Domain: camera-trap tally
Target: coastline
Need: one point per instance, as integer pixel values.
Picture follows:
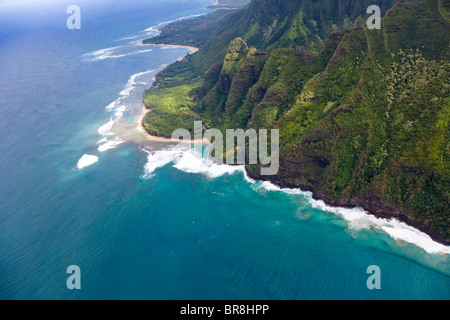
(374, 207)
(141, 129)
(144, 110)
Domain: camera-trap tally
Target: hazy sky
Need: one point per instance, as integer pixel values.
(32, 14)
(4, 3)
(21, 13)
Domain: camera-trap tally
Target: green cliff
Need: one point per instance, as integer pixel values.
(363, 114)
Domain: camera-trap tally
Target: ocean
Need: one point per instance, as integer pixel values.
(80, 185)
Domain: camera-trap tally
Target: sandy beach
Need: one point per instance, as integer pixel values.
(139, 124)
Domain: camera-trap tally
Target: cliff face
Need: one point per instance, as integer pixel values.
(372, 128)
(271, 24)
(363, 114)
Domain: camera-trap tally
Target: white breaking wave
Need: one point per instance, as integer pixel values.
(358, 219)
(132, 82)
(126, 91)
(111, 53)
(113, 56)
(102, 140)
(157, 160)
(102, 51)
(111, 144)
(113, 104)
(117, 51)
(190, 162)
(127, 38)
(118, 112)
(187, 161)
(86, 160)
(105, 130)
(118, 108)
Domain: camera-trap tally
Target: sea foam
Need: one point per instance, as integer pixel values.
(133, 82)
(358, 219)
(86, 160)
(191, 162)
(105, 130)
(157, 160)
(110, 144)
(187, 161)
(114, 52)
(109, 55)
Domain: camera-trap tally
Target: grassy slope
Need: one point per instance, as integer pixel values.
(170, 109)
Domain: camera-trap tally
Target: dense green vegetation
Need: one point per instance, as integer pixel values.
(363, 114)
(195, 32)
(170, 109)
(268, 25)
(190, 32)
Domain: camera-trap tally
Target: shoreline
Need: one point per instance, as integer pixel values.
(139, 124)
(140, 127)
(376, 208)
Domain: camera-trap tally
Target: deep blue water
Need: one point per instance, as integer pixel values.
(154, 227)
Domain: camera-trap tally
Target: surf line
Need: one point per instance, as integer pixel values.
(257, 146)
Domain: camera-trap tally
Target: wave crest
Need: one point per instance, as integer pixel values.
(188, 161)
(86, 160)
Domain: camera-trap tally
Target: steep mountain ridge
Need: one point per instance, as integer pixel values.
(271, 24)
(363, 114)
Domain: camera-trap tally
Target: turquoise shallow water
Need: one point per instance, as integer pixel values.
(161, 225)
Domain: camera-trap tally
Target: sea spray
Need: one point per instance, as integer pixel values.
(86, 160)
(190, 161)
